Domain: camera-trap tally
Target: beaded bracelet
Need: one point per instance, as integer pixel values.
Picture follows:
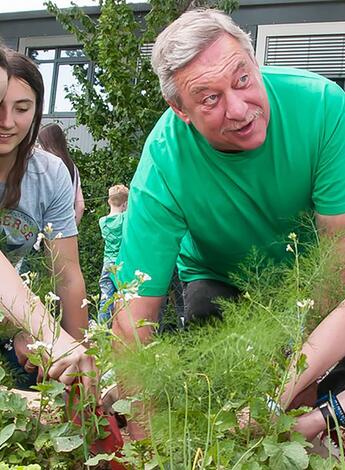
(338, 410)
(324, 408)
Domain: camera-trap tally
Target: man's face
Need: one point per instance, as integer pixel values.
(222, 94)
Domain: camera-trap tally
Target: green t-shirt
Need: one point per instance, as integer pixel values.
(209, 208)
(111, 229)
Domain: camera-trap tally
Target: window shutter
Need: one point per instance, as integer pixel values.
(323, 54)
(146, 50)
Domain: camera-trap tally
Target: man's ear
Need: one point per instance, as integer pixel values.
(179, 111)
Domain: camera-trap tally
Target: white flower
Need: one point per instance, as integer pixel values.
(58, 235)
(84, 303)
(51, 297)
(37, 345)
(37, 244)
(92, 325)
(305, 303)
(130, 296)
(26, 278)
(246, 295)
(87, 337)
(143, 92)
(289, 248)
(48, 228)
(35, 299)
(292, 236)
(142, 276)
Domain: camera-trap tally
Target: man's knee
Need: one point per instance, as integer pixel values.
(200, 296)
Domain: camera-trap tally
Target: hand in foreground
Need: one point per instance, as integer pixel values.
(20, 342)
(71, 363)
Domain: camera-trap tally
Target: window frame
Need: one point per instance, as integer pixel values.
(55, 42)
(293, 29)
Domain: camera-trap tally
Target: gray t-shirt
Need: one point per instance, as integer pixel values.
(46, 197)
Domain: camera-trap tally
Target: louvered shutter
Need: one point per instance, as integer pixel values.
(146, 50)
(320, 53)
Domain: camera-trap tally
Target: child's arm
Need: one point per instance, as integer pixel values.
(24, 309)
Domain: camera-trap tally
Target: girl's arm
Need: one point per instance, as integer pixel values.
(70, 287)
(24, 309)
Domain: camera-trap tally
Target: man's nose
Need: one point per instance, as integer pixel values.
(236, 107)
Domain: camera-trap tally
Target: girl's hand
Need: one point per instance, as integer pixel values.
(71, 363)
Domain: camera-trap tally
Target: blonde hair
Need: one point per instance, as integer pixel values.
(118, 195)
(191, 33)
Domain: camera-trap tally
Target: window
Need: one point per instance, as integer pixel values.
(57, 57)
(318, 47)
(57, 65)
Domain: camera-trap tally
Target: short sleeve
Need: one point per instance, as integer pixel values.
(60, 212)
(152, 230)
(329, 187)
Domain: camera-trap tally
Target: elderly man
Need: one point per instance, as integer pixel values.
(240, 153)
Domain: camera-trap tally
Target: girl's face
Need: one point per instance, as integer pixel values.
(17, 111)
(3, 83)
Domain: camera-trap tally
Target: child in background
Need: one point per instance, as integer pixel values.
(111, 229)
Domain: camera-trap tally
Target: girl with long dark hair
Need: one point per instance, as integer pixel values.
(36, 196)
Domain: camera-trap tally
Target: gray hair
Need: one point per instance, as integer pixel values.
(185, 38)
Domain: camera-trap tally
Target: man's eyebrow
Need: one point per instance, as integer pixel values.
(199, 89)
(241, 64)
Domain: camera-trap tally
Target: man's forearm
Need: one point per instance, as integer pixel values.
(324, 347)
(125, 323)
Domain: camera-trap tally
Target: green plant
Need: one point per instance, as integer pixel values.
(198, 383)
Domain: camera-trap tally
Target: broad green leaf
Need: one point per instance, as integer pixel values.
(123, 407)
(41, 440)
(319, 463)
(98, 458)
(6, 433)
(284, 423)
(2, 373)
(67, 444)
(251, 466)
(287, 456)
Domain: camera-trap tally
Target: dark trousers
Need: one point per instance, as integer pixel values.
(200, 299)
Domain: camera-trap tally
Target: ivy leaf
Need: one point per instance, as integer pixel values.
(6, 433)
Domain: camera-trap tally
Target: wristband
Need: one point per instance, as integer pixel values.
(324, 408)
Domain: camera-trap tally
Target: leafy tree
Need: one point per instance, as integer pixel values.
(122, 103)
